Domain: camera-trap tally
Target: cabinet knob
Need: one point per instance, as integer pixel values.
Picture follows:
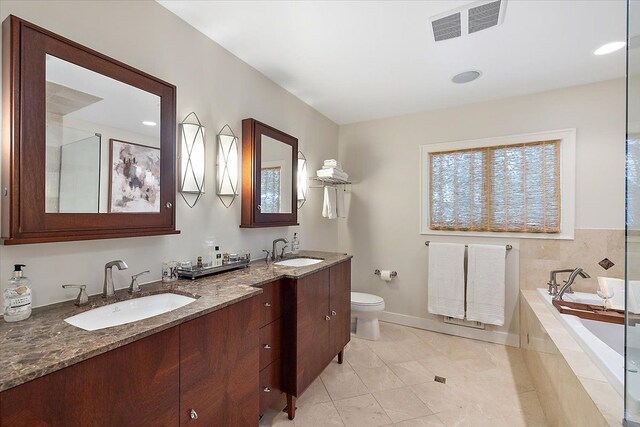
(169, 205)
(333, 313)
(267, 346)
(267, 304)
(259, 208)
(193, 414)
(327, 318)
(266, 390)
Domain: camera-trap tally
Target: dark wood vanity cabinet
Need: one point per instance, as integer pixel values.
(219, 361)
(317, 318)
(208, 365)
(134, 385)
(270, 344)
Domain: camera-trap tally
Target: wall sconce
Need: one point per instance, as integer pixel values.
(227, 165)
(302, 179)
(192, 159)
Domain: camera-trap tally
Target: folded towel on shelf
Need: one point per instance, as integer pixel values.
(486, 283)
(332, 163)
(445, 287)
(332, 173)
(329, 203)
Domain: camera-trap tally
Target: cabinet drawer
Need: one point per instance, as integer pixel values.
(270, 387)
(271, 306)
(270, 343)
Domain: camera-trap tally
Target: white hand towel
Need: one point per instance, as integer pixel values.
(341, 210)
(446, 279)
(486, 283)
(329, 204)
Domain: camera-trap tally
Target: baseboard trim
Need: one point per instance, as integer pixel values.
(497, 337)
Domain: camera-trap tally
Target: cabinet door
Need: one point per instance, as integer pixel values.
(312, 331)
(134, 385)
(219, 361)
(340, 306)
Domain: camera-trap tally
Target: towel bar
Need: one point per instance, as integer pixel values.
(509, 247)
(393, 273)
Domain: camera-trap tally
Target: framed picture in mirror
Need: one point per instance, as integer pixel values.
(134, 177)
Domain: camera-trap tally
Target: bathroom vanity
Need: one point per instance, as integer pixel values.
(221, 360)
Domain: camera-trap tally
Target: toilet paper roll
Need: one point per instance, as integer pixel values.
(385, 275)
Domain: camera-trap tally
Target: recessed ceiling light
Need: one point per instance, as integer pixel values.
(149, 123)
(466, 77)
(609, 48)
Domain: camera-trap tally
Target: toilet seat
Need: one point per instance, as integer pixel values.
(366, 302)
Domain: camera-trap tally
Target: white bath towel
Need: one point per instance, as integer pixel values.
(446, 279)
(486, 283)
(329, 204)
(332, 163)
(332, 173)
(341, 210)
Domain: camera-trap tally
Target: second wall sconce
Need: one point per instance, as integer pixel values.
(302, 179)
(227, 165)
(192, 158)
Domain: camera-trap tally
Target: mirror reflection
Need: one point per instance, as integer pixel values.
(102, 143)
(276, 176)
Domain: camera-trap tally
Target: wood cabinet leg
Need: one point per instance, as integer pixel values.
(341, 356)
(291, 406)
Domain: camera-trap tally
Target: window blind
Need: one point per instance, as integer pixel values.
(507, 188)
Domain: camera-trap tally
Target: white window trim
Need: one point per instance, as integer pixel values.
(567, 139)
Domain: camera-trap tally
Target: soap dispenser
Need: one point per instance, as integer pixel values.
(17, 296)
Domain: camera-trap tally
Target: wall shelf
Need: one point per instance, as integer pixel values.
(323, 182)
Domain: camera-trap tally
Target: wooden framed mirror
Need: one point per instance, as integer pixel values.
(269, 176)
(88, 146)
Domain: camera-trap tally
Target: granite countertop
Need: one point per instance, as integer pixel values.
(44, 343)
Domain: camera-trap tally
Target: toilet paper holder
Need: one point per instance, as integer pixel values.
(393, 273)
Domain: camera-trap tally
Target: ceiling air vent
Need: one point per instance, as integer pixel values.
(447, 27)
(468, 19)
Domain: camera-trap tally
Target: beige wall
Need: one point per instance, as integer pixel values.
(382, 156)
(221, 89)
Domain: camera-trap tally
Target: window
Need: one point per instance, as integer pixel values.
(500, 186)
(270, 190)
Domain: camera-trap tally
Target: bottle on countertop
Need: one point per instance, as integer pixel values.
(17, 296)
(217, 257)
(295, 244)
(211, 252)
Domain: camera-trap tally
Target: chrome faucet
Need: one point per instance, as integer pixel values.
(572, 277)
(553, 284)
(274, 247)
(108, 289)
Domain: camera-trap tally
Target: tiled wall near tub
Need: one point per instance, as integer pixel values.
(539, 256)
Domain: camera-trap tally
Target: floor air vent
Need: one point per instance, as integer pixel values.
(467, 19)
(463, 322)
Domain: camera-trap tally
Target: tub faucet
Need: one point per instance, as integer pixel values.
(275, 244)
(569, 282)
(108, 289)
(553, 284)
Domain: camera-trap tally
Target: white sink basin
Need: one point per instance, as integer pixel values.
(128, 311)
(298, 262)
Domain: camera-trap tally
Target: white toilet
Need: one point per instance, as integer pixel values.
(365, 309)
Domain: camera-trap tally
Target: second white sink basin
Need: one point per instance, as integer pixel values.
(298, 262)
(128, 311)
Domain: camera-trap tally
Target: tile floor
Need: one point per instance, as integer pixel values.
(390, 382)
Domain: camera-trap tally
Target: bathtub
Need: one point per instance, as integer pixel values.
(602, 341)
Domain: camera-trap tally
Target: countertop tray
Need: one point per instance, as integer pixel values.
(194, 273)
